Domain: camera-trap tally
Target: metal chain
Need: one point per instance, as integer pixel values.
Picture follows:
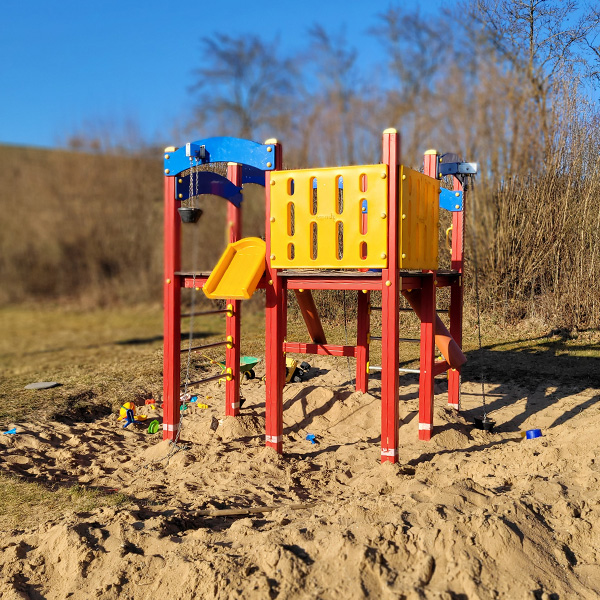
(190, 336)
(191, 191)
(477, 305)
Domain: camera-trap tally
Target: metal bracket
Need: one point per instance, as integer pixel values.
(451, 200)
(458, 168)
(195, 151)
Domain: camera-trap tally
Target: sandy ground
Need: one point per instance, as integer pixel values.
(468, 515)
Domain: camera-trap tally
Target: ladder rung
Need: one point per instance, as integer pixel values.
(222, 376)
(213, 345)
(204, 312)
(378, 337)
(440, 310)
(400, 370)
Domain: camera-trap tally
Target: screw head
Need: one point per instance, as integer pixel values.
(269, 164)
(167, 157)
(383, 215)
(167, 171)
(272, 219)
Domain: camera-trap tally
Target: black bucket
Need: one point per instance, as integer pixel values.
(484, 424)
(189, 215)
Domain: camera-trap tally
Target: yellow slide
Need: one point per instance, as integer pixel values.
(238, 271)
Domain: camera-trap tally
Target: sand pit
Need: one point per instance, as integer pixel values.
(467, 515)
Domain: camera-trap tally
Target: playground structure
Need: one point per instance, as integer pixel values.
(364, 228)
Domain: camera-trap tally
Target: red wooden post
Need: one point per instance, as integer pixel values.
(430, 163)
(362, 336)
(427, 357)
(390, 306)
(275, 333)
(172, 313)
(233, 322)
(456, 295)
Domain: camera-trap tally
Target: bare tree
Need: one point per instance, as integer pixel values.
(243, 86)
(539, 39)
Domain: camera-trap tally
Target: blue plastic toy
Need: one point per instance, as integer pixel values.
(311, 438)
(10, 431)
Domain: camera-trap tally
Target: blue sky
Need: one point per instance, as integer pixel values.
(72, 63)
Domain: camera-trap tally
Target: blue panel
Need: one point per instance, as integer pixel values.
(221, 149)
(209, 183)
(458, 168)
(252, 175)
(450, 200)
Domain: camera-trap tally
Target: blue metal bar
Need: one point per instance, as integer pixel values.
(209, 183)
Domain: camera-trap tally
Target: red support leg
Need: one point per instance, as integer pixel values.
(389, 308)
(362, 346)
(427, 357)
(275, 334)
(172, 313)
(456, 296)
(233, 323)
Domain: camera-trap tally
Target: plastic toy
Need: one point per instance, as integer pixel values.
(153, 427)
(295, 371)
(364, 228)
(311, 438)
(127, 413)
(12, 431)
(533, 433)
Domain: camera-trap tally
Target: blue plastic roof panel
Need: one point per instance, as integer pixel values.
(220, 149)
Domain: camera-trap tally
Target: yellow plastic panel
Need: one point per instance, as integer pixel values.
(419, 220)
(238, 271)
(320, 231)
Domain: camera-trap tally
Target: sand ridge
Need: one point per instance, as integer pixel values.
(467, 515)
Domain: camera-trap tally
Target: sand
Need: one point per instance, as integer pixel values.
(468, 515)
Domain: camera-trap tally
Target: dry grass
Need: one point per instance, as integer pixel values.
(24, 504)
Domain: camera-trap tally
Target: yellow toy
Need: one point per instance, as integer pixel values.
(127, 413)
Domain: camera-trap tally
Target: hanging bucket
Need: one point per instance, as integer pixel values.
(189, 214)
(485, 424)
